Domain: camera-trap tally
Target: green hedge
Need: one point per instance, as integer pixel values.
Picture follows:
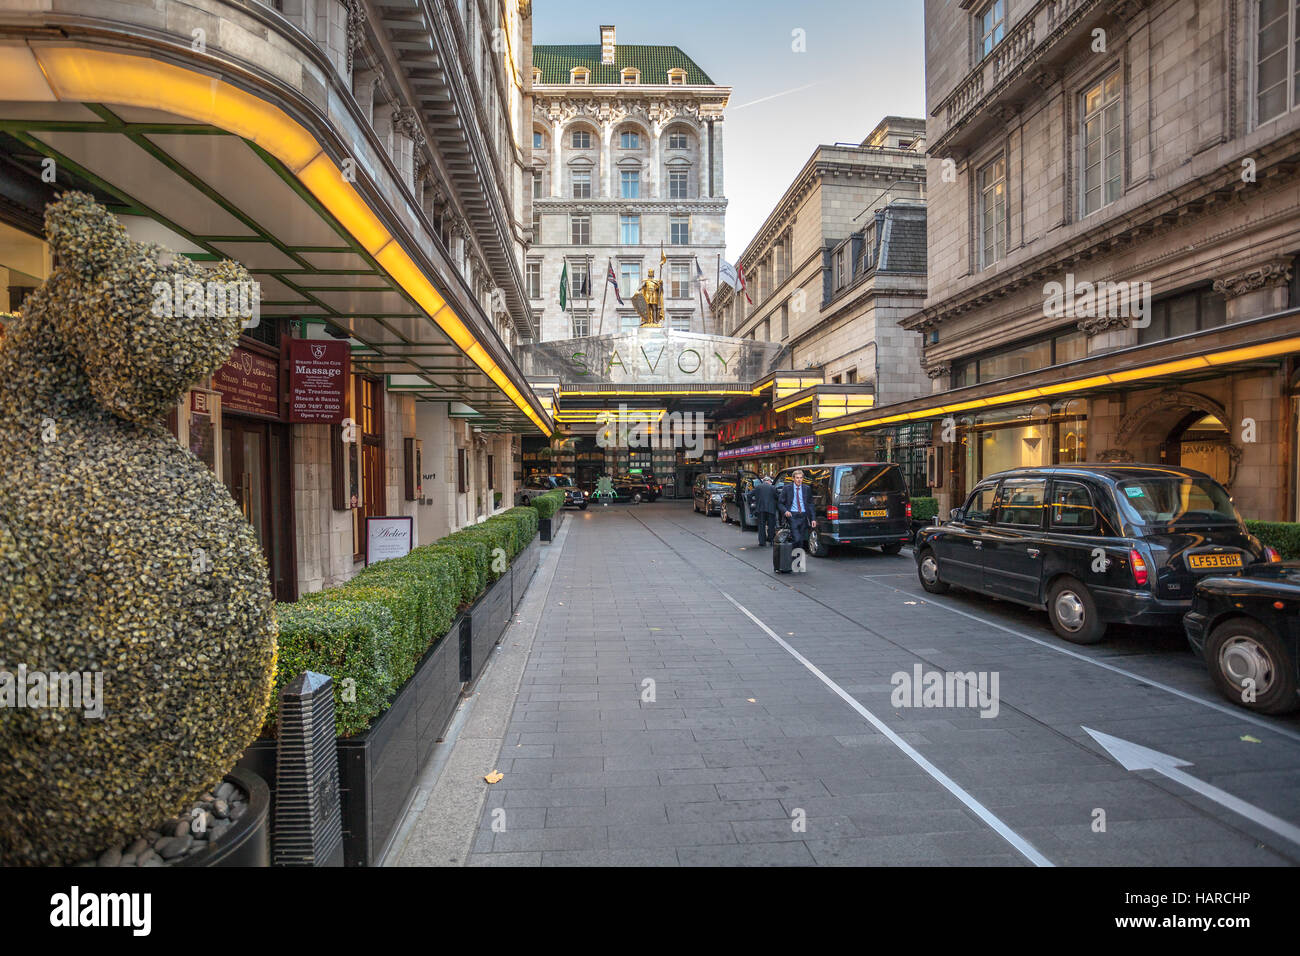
(376, 627)
(344, 639)
(923, 509)
(1283, 535)
(546, 505)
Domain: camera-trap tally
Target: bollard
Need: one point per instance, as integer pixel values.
(308, 819)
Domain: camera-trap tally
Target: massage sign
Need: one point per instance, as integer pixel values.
(318, 377)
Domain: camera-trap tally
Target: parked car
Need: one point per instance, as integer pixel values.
(708, 491)
(535, 485)
(855, 503)
(738, 502)
(635, 488)
(1091, 544)
(1247, 629)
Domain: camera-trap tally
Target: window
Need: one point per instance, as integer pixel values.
(979, 507)
(1016, 360)
(581, 324)
(629, 183)
(679, 230)
(1102, 141)
(630, 276)
(841, 270)
(1183, 314)
(582, 184)
(631, 76)
(679, 277)
(579, 75)
(537, 76)
(533, 279)
(993, 212)
(680, 322)
(629, 230)
(1071, 505)
(1021, 502)
(1276, 70)
(537, 183)
(629, 321)
(462, 471)
(580, 230)
(785, 321)
(992, 27)
(677, 140)
(581, 139)
(836, 380)
(677, 184)
(537, 224)
(629, 139)
(538, 141)
(851, 376)
(676, 77)
(579, 279)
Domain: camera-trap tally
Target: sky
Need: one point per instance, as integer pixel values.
(863, 60)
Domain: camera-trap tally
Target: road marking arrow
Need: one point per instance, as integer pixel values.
(1133, 756)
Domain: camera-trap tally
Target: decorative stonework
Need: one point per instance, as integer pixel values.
(407, 122)
(1276, 272)
(1134, 421)
(935, 371)
(1116, 456)
(1103, 323)
(356, 28)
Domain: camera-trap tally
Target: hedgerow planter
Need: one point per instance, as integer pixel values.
(379, 767)
(248, 841)
(548, 528)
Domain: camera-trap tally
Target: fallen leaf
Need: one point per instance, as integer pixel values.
(909, 602)
(1251, 740)
(494, 777)
(751, 700)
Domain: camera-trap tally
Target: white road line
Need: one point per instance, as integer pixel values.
(1023, 846)
(1212, 704)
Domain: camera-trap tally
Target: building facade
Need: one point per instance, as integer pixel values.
(831, 275)
(368, 164)
(627, 172)
(1112, 242)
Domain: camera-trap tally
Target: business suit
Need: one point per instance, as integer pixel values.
(765, 499)
(797, 500)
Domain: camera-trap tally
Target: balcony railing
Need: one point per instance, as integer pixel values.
(1011, 52)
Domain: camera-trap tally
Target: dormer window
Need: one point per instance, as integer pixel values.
(677, 77)
(579, 75)
(537, 76)
(631, 77)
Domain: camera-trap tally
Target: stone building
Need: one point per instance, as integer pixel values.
(1112, 242)
(833, 272)
(366, 161)
(627, 158)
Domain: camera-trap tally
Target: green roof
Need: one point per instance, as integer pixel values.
(654, 62)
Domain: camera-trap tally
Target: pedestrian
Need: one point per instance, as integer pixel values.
(765, 497)
(797, 505)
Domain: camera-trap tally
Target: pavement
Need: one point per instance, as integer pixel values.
(664, 699)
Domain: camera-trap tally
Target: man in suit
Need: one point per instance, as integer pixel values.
(765, 498)
(797, 506)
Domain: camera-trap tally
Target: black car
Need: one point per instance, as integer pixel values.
(738, 502)
(634, 488)
(708, 490)
(855, 503)
(535, 485)
(1247, 629)
(1090, 544)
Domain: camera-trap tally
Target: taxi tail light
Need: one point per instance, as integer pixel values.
(1139, 567)
(833, 513)
(1271, 554)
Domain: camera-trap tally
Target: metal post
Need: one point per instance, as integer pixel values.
(308, 819)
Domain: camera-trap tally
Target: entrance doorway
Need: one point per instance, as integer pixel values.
(1201, 441)
(254, 460)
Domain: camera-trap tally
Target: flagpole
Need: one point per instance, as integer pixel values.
(604, 299)
(590, 263)
(699, 291)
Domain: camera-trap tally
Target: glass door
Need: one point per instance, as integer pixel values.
(254, 459)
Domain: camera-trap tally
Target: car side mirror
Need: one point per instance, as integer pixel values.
(955, 514)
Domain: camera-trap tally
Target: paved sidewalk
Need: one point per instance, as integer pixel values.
(656, 723)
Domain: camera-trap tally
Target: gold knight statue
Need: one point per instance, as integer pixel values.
(649, 301)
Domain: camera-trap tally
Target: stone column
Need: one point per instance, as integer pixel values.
(606, 159)
(656, 173)
(557, 169)
(1258, 290)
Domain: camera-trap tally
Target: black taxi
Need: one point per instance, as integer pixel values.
(855, 503)
(1091, 544)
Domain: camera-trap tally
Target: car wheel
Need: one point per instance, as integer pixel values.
(893, 548)
(1246, 659)
(818, 544)
(583, 506)
(928, 571)
(1073, 611)
(636, 498)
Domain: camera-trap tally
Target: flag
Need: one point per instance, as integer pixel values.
(663, 260)
(740, 272)
(564, 285)
(612, 280)
(699, 278)
(727, 273)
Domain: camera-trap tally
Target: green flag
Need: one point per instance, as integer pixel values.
(564, 285)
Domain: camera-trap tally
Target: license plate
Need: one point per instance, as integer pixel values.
(1202, 562)
(876, 513)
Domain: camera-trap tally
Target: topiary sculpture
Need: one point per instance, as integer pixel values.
(121, 554)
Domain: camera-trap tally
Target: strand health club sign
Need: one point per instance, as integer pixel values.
(318, 380)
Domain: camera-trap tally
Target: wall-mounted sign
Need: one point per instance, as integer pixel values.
(388, 537)
(318, 380)
(769, 448)
(249, 382)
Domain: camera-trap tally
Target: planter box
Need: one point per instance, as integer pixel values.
(522, 571)
(248, 842)
(488, 618)
(378, 768)
(548, 528)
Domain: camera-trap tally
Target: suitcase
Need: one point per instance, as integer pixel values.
(782, 555)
